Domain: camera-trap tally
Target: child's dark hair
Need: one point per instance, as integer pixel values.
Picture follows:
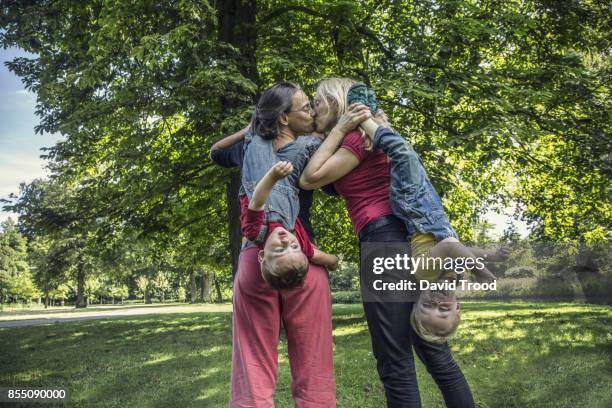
(274, 101)
(289, 278)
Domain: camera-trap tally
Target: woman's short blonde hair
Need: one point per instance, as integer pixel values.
(334, 92)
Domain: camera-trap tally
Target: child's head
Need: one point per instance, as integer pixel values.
(436, 315)
(283, 264)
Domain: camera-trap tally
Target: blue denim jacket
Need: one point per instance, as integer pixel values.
(412, 196)
(283, 204)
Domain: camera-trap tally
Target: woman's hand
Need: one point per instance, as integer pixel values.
(334, 264)
(356, 114)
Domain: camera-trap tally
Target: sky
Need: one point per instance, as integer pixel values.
(20, 147)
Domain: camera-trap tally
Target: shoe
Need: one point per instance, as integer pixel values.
(359, 93)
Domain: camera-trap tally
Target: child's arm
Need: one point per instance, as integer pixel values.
(494, 254)
(264, 187)
(370, 125)
(324, 259)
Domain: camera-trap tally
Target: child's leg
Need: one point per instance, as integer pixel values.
(421, 246)
(406, 171)
(452, 248)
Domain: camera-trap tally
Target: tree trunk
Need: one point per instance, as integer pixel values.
(62, 302)
(80, 303)
(237, 27)
(147, 295)
(205, 288)
(233, 214)
(46, 296)
(217, 289)
(193, 289)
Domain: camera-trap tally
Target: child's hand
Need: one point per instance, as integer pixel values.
(281, 170)
(333, 266)
(501, 254)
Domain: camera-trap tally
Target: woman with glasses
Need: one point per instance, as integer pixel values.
(282, 114)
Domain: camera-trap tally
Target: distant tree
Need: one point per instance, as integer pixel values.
(16, 281)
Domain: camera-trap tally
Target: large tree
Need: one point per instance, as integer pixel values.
(504, 100)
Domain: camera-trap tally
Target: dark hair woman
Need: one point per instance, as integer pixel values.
(283, 112)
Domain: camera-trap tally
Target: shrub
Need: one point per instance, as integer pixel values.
(521, 272)
(346, 296)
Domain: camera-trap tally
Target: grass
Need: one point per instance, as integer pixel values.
(513, 354)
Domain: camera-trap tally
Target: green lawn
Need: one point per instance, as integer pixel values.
(513, 354)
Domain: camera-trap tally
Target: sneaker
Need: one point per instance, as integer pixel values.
(359, 93)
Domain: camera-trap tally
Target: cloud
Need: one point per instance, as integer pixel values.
(16, 168)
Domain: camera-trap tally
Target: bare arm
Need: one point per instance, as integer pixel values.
(264, 187)
(371, 125)
(324, 259)
(335, 167)
(230, 140)
(329, 163)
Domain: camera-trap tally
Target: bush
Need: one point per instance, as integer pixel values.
(521, 272)
(346, 296)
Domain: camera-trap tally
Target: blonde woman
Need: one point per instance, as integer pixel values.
(361, 176)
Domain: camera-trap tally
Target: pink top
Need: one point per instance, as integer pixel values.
(366, 187)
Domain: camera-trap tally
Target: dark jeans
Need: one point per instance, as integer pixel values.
(393, 341)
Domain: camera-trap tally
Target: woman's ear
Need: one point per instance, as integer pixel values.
(260, 256)
(283, 119)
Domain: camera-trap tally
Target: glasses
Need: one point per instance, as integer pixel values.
(307, 108)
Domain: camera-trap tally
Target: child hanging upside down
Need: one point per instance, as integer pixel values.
(284, 253)
(414, 200)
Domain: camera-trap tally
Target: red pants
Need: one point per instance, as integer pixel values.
(306, 316)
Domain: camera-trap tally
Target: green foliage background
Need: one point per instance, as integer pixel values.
(507, 102)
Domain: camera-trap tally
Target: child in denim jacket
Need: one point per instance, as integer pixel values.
(414, 200)
(270, 208)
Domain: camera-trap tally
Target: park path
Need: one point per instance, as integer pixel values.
(21, 318)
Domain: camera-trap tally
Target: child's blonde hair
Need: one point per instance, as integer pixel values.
(427, 335)
(290, 277)
(334, 92)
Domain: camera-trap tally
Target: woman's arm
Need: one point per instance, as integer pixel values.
(329, 163)
(230, 140)
(338, 165)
